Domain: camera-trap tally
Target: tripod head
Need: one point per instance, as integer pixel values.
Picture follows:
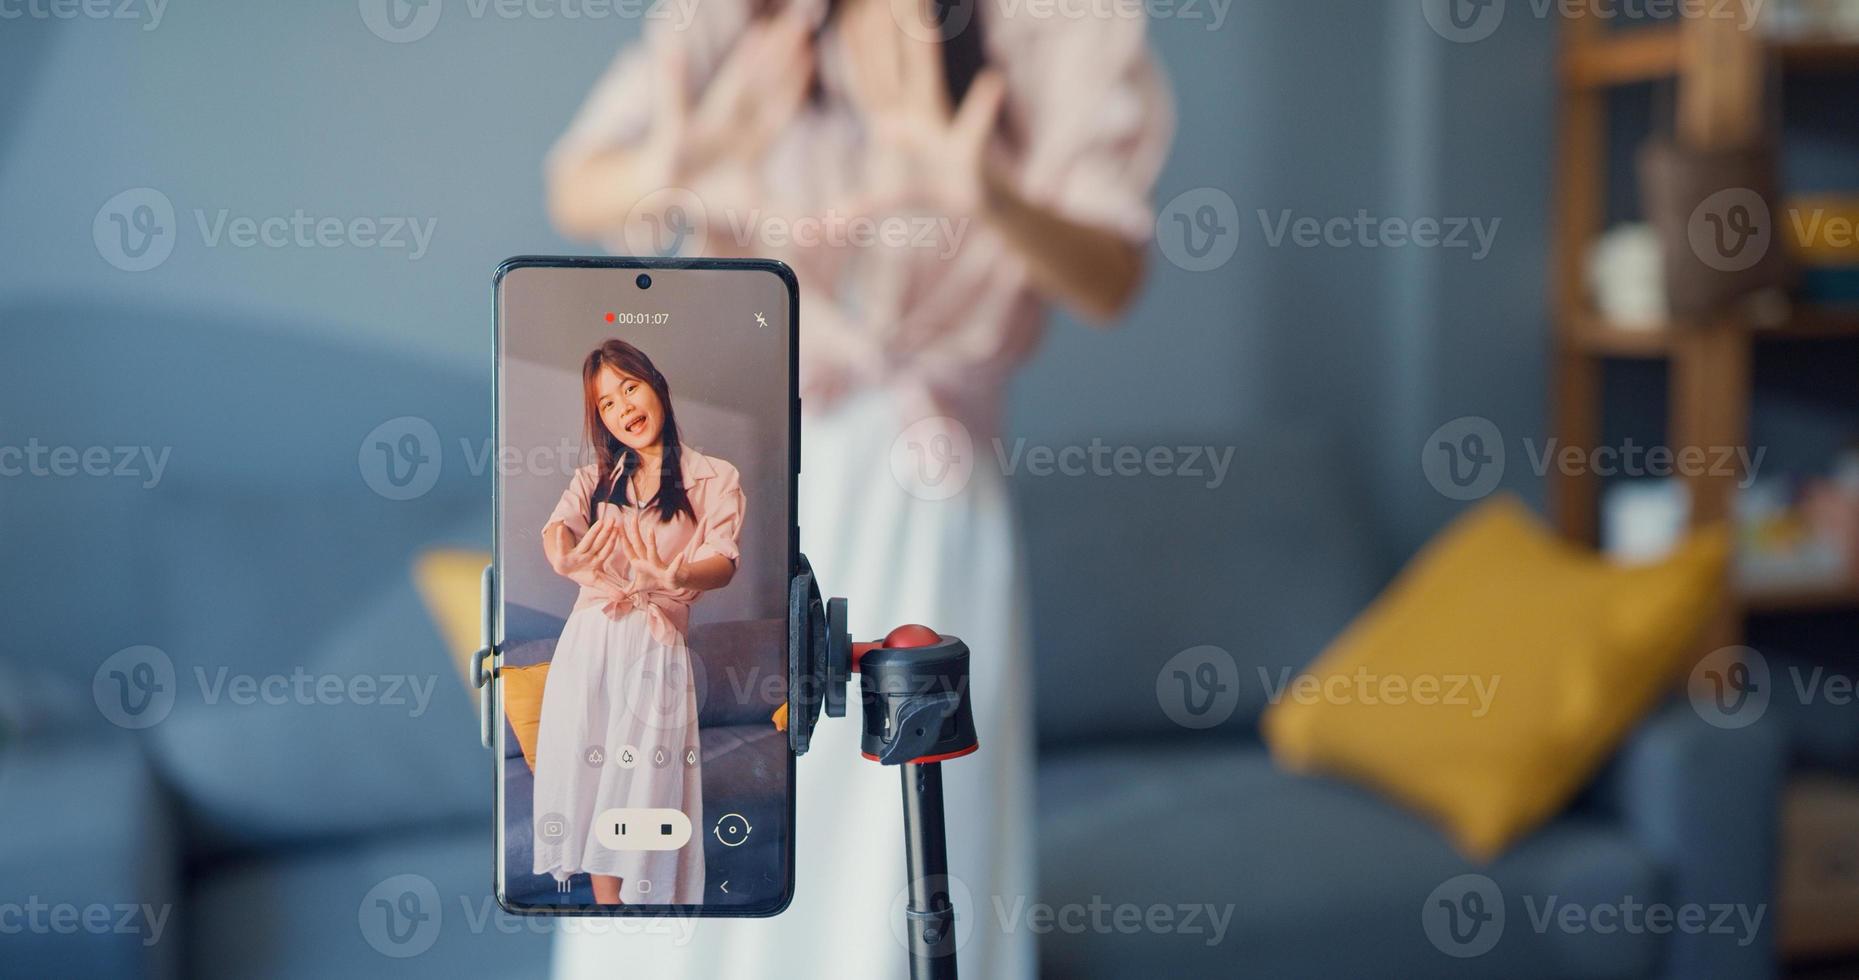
(913, 684)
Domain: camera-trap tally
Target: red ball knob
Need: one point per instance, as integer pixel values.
(911, 635)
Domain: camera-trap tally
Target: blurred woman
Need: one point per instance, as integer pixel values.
(937, 179)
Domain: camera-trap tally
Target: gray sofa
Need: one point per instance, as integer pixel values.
(1322, 878)
(341, 840)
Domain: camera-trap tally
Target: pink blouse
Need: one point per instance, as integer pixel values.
(715, 492)
(940, 312)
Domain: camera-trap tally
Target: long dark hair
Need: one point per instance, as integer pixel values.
(611, 454)
(964, 53)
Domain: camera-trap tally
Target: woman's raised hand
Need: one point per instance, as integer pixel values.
(650, 572)
(752, 96)
(924, 147)
(586, 560)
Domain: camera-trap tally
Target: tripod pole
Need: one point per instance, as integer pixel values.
(930, 916)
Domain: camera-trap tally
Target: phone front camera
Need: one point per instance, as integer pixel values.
(644, 281)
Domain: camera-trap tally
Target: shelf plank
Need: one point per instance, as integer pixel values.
(1647, 54)
(1591, 334)
(1806, 597)
(1622, 57)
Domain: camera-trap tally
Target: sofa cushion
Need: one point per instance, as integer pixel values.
(411, 905)
(397, 732)
(88, 861)
(1322, 878)
(1498, 672)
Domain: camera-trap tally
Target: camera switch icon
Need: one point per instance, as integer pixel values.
(732, 829)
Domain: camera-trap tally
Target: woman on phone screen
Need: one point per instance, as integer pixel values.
(938, 179)
(645, 530)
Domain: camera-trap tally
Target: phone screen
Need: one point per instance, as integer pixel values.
(646, 464)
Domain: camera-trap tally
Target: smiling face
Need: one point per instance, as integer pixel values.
(629, 408)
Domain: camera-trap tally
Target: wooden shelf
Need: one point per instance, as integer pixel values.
(1646, 54)
(1592, 335)
(1622, 57)
(1806, 597)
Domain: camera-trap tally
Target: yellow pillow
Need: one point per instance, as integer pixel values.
(1497, 673)
(450, 580)
(522, 704)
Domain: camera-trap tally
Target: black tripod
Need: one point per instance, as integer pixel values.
(914, 688)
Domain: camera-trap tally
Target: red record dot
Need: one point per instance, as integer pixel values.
(610, 318)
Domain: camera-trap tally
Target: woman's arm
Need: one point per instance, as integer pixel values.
(1093, 271)
(705, 574)
(708, 146)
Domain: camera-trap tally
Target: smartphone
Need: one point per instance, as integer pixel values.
(647, 430)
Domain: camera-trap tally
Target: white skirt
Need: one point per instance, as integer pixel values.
(951, 564)
(614, 699)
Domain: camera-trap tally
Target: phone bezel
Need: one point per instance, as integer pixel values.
(656, 265)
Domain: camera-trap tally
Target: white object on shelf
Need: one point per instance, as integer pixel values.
(1626, 276)
(1643, 520)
